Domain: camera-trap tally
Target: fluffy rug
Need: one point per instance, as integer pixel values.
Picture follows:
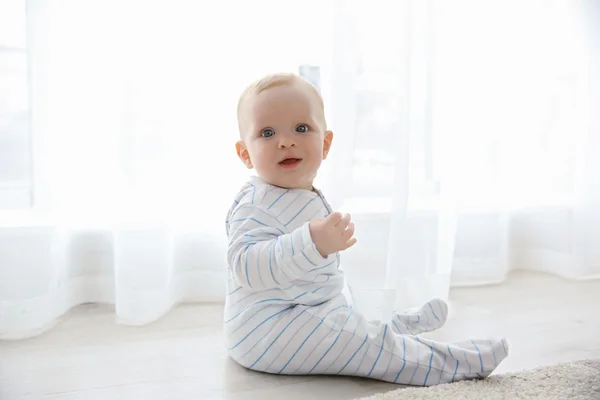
(575, 380)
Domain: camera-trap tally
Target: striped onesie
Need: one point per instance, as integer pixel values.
(285, 312)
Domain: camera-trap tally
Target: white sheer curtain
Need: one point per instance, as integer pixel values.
(475, 144)
(134, 125)
(466, 146)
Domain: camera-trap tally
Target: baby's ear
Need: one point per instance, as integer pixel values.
(243, 154)
(327, 143)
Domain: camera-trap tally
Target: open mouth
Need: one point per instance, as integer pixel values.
(290, 162)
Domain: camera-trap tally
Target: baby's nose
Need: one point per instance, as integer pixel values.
(286, 141)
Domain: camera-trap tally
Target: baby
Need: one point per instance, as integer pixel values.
(285, 312)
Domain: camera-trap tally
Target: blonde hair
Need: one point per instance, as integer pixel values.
(271, 81)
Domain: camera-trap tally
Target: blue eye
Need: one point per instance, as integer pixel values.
(302, 128)
(267, 133)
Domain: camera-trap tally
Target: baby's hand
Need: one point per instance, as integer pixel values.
(332, 234)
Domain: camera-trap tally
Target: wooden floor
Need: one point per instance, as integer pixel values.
(88, 356)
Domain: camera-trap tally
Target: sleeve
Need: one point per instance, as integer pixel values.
(263, 255)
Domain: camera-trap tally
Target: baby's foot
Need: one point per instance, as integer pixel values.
(481, 356)
(429, 317)
(452, 362)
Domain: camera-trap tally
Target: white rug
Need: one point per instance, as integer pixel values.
(572, 381)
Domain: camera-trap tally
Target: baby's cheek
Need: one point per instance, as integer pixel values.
(260, 157)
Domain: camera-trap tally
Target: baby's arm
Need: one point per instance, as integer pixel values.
(263, 255)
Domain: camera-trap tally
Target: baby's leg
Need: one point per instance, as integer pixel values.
(332, 339)
(377, 352)
(429, 317)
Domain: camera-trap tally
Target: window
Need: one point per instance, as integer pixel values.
(388, 54)
(15, 132)
(432, 104)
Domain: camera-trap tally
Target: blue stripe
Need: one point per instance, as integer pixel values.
(271, 265)
(257, 342)
(434, 314)
(345, 346)
(287, 343)
(253, 294)
(247, 255)
(388, 365)
(309, 335)
(274, 340)
(316, 269)
(357, 350)
(246, 219)
(479, 353)
(429, 370)
(442, 370)
(230, 293)
(362, 359)
(257, 326)
(493, 353)
(314, 280)
(307, 259)
(253, 192)
(262, 292)
(252, 209)
(292, 243)
(236, 202)
(242, 243)
(333, 344)
(407, 327)
(298, 213)
(247, 244)
(262, 338)
(263, 301)
(257, 221)
(504, 347)
(455, 369)
(403, 359)
(277, 199)
(317, 342)
(380, 350)
(247, 320)
(288, 206)
(417, 367)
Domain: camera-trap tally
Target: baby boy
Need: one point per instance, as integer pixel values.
(285, 312)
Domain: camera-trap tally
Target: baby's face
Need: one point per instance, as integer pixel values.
(284, 135)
